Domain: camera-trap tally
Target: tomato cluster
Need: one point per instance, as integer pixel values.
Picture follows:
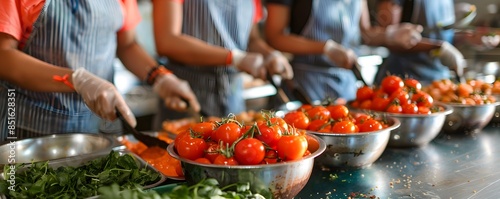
(395, 95)
(228, 142)
(332, 118)
(473, 92)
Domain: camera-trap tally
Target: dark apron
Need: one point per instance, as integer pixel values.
(69, 34)
(225, 23)
(316, 75)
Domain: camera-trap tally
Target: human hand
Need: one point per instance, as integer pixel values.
(101, 96)
(339, 55)
(451, 57)
(252, 63)
(173, 90)
(406, 35)
(278, 64)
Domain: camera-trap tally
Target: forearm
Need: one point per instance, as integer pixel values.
(136, 60)
(257, 44)
(32, 74)
(295, 44)
(425, 45)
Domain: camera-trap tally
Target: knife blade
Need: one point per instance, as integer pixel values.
(149, 141)
(356, 69)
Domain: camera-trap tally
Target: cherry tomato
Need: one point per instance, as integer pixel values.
(227, 133)
(344, 127)
(422, 99)
(380, 104)
(410, 109)
(338, 111)
(203, 161)
(204, 129)
(364, 93)
(401, 95)
(249, 151)
(370, 125)
(424, 110)
(223, 160)
(304, 107)
(367, 104)
(392, 83)
(269, 134)
(297, 119)
(361, 118)
(270, 157)
(318, 112)
(191, 148)
(394, 108)
(312, 144)
(212, 151)
(279, 122)
(413, 85)
(292, 147)
(318, 125)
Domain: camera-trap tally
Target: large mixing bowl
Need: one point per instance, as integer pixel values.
(418, 129)
(354, 150)
(280, 180)
(496, 116)
(55, 147)
(469, 119)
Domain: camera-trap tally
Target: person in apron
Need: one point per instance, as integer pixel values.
(208, 43)
(422, 62)
(57, 65)
(323, 36)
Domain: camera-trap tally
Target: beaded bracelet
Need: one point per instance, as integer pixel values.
(155, 72)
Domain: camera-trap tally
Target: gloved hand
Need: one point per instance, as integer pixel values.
(101, 96)
(278, 64)
(252, 63)
(339, 55)
(451, 57)
(173, 90)
(405, 35)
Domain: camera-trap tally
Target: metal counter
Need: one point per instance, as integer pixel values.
(451, 166)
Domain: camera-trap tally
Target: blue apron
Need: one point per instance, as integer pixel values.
(316, 75)
(225, 23)
(69, 34)
(422, 66)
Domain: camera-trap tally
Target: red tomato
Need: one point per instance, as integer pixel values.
(292, 147)
(227, 133)
(280, 122)
(364, 93)
(424, 110)
(297, 119)
(271, 157)
(204, 129)
(370, 125)
(269, 134)
(203, 161)
(249, 151)
(318, 125)
(413, 85)
(392, 83)
(304, 107)
(422, 99)
(394, 108)
(318, 112)
(338, 111)
(361, 118)
(367, 104)
(191, 148)
(401, 95)
(223, 160)
(212, 151)
(410, 109)
(380, 104)
(344, 127)
(312, 144)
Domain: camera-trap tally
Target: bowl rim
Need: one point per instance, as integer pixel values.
(396, 124)
(447, 110)
(319, 151)
(470, 105)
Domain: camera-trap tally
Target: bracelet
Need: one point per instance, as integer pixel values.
(64, 79)
(155, 72)
(229, 58)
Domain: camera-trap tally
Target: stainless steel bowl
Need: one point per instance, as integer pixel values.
(417, 129)
(355, 150)
(281, 180)
(496, 116)
(469, 119)
(55, 147)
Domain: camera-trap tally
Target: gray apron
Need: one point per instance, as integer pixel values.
(422, 66)
(69, 34)
(316, 75)
(225, 23)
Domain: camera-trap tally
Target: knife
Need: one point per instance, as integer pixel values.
(279, 91)
(149, 141)
(356, 69)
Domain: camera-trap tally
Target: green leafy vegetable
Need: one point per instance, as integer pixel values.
(39, 180)
(205, 189)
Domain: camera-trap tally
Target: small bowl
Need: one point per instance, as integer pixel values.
(279, 180)
(469, 119)
(354, 150)
(417, 129)
(55, 146)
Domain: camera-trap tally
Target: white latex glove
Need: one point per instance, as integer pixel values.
(490, 41)
(339, 55)
(101, 96)
(251, 63)
(451, 57)
(405, 35)
(173, 90)
(277, 64)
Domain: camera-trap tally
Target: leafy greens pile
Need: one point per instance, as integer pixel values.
(205, 189)
(40, 180)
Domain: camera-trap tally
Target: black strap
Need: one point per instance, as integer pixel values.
(407, 11)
